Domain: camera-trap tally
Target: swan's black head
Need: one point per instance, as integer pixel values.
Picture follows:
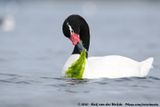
(77, 30)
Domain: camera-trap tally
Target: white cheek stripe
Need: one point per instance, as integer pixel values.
(70, 28)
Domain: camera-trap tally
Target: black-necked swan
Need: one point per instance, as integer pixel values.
(113, 66)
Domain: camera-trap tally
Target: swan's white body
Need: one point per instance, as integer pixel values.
(112, 66)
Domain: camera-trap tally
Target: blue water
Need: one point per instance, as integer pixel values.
(33, 54)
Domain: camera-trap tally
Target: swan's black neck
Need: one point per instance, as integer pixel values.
(80, 27)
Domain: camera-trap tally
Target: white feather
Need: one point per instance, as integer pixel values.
(112, 66)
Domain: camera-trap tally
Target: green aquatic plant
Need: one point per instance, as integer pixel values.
(76, 70)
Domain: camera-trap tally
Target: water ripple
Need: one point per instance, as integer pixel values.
(11, 75)
(14, 79)
(154, 78)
